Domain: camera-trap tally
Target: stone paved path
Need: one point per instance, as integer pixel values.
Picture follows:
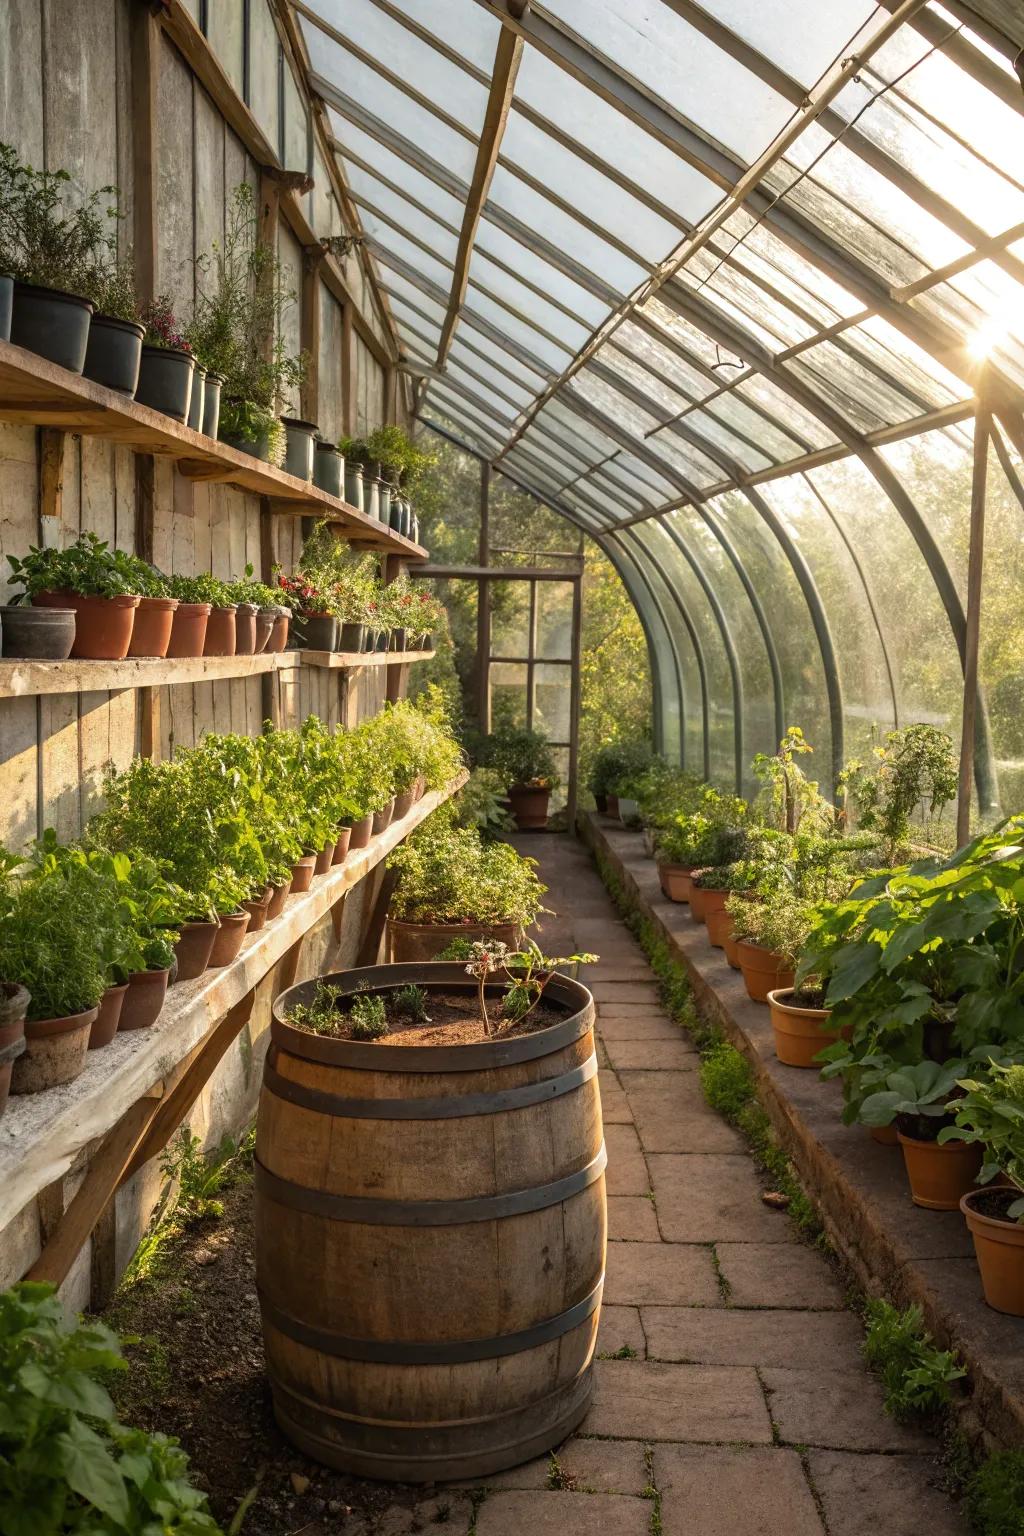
(740, 1399)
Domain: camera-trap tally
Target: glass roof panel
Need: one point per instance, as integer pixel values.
(443, 213)
(825, 32)
(461, 357)
(392, 242)
(554, 354)
(584, 247)
(689, 462)
(386, 211)
(533, 306)
(858, 394)
(683, 68)
(533, 267)
(387, 165)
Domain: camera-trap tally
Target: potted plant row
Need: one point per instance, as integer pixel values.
(381, 471)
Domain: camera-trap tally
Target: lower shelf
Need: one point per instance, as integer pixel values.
(41, 1135)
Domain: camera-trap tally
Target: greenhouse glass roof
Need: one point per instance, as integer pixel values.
(713, 280)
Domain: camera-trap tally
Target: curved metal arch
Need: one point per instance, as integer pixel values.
(731, 655)
(627, 558)
(657, 684)
(642, 557)
(774, 664)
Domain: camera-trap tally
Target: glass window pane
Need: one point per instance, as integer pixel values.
(551, 702)
(508, 694)
(554, 621)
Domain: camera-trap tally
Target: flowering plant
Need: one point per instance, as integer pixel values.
(162, 329)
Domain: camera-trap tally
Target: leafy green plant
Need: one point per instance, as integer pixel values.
(114, 292)
(48, 238)
(367, 1017)
(200, 588)
(529, 970)
(790, 800)
(995, 1495)
(53, 940)
(991, 1114)
(88, 567)
(450, 875)
(726, 1079)
(321, 1015)
(917, 1096)
(480, 804)
(66, 1463)
(617, 761)
(915, 769)
(522, 758)
(916, 1375)
(410, 1002)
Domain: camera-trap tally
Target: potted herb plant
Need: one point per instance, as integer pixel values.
(154, 617)
(527, 764)
(114, 352)
(255, 613)
(167, 367)
(611, 763)
(353, 453)
(52, 248)
(505, 1025)
(452, 884)
(990, 1117)
(194, 596)
(916, 1099)
(88, 578)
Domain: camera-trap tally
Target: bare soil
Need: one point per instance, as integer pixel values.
(995, 1203)
(198, 1373)
(454, 1019)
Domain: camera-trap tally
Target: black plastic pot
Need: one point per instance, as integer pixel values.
(114, 353)
(395, 515)
(37, 634)
(211, 404)
(165, 381)
(397, 640)
(329, 470)
(354, 484)
(300, 440)
(53, 324)
(315, 631)
(381, 642)
(6, 300)
(256, 447)
(197, 400)
(352, 637)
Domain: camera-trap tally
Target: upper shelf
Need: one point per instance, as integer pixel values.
(38, 393)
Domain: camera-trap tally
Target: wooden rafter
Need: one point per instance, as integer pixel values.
(499, 103)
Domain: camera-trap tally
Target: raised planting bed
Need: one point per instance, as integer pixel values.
(41, 1135)
(38, 393)
(860, 1188)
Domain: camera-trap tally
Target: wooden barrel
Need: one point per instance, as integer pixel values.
(430, 1239)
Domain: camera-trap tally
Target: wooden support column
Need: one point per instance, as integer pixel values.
(381, 886)
(483, 608)
(975, 571)
(348, 371)
(145, 51)
(309, 331)
(51, 485)
(575, 694)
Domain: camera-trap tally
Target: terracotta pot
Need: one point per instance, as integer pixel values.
(278, 641)
(341, 847)
(257, 909)
(601, 802)
(799, 1034)
(675, 881)
(103, 625)
(220, 632)
(228, 940)
(612, 802)
(698, 902)
(719, 927)
(403, 803)
(278, 896)
(108, 1017)
(529, 807)
(425, 941)
(999, 1249)
(245, 629)
(193, 949)
(265, 620)
(302, 873)
(361, 832)
(324, 859)
(885, 1135)
(146, 993)
(55, 1052)
(14, 1001)
(940, 1175)
(188, 629)
(419, 788)
(731, 944)
(151, 632)
(382, 819)
(763, 972)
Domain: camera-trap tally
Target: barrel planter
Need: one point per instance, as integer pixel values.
(430, 1238)
(425, 941)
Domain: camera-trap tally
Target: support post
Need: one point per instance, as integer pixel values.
(575, 695)
(483, 608)
(309, 331)
(975, 569)
(145, 51)
(348, 371)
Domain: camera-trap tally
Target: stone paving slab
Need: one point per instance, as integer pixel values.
(638, 1399)
(631, 1219)
(661, 1055)
(614, 1104)
(713, 1491)
(627, 1169)
(620, 1327)
(784, 1274)
(713, 1198)
(594, 1466)
(838, 1412)
(567, 1514)
(825, 1341)
(636, 1024)
(854, 1489)
(661, 1274)
(672, 1115)
(645, 992)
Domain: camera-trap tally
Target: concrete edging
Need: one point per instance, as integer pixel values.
(859, 1188)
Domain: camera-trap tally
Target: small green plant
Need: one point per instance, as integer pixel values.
(88, 567)
(916, 1375)
(450, 875)
(726, 1079)
(995, 1495)
(410, 1002)
(915, 770)
(48, 238)
(201, 588)
(367, 1017)
(991, 1113)
(529, 971)
(320, 1016)
(523, 759)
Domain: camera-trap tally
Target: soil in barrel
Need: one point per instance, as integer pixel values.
(454, 1019)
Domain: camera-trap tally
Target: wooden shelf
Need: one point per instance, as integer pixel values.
(22, 679)
(38, 393)
(42, 1134)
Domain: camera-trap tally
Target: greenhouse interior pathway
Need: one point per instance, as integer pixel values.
(740, 1403)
